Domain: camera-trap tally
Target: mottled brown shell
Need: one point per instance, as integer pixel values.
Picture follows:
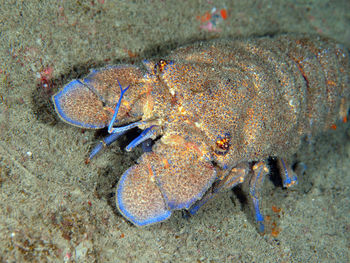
(220, 108)
(265, 94)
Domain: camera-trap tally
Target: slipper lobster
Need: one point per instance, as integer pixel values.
(217, 111)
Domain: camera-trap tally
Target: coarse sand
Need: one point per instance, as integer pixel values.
(55, 208)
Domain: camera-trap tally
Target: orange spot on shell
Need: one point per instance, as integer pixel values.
(333, 127)
(126, 104)
(345, 119)
(166, 163)
(150, 172)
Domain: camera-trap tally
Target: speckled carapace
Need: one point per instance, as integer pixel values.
(217, 110)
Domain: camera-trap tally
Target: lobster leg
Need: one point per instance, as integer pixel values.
(148, 133)
(233, 178)
(260, 170)
(117, 132)
(104, 143)
(289, 177)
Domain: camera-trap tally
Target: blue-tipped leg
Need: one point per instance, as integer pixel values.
(117, 132)
(260, 170)
(258, 216)
(104, 143)
(233, 178)
(289, 177)
(197, 205)
(145, 135)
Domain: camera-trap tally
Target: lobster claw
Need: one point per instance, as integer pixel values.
(138, 196)
(91, 102)
(172, 177)
(78, 105)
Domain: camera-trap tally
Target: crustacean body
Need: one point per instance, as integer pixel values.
(218, 110)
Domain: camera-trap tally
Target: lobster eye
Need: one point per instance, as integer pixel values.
(159, 67)
(223, 144)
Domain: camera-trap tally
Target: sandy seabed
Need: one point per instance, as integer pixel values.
(54, 208)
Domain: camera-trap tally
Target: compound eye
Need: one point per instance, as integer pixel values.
(223, 144)
(159, 67)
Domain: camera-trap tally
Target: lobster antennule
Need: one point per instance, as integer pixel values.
(116, 110)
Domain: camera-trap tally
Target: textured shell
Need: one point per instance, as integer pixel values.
(265, 94)
(220, 108)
